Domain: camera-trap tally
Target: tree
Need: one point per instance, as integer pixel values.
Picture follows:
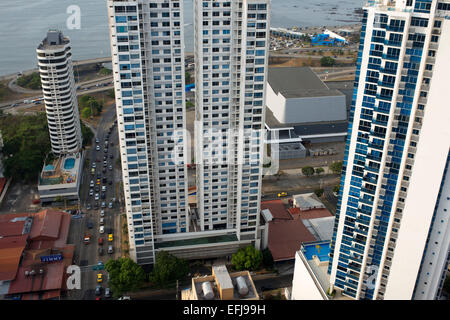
(87, 134)
(188, 77)
(336, 167)
(86, 113)
(318, 192)
(327, 62)
(90, 102)
(111, 93)
(308, 171)
(125, 275)
(168, 269)
(31, 81)
(267, 258)
(336, 188)
(319, 170)
(248, 258)
(26, 143)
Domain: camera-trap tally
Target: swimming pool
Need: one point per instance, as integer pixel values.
(321, 250)
(69, 163)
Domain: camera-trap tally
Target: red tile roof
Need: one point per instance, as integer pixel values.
(309, 214)
(285, 238)
(277, 209)
(10, 254)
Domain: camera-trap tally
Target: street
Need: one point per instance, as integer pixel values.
(87, 255)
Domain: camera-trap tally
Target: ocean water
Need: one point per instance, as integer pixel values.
(24, 23)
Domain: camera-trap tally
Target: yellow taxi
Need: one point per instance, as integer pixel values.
(110, 237)
(282, 194)
(99, 277)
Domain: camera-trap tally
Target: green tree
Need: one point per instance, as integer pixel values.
(267, 258)
(327, 62)
(336, 167)
(319, 170)
(336, 188)
(90, 102)
(86, 113)
(31, 81)
(308, 171)
(248, 258)
(125, 275)
(111, 93)
(105, 71)
(87, 134)
(318, 192)
(168, 269)
(26, 143)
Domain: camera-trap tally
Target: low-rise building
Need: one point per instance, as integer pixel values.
(61, 179)
(222, 285)
(34, 255)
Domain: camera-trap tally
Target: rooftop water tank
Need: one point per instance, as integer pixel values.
(242, 286)
(208, 292)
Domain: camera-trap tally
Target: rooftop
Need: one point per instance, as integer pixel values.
(196, 241)
(307, 201)
(54, 40)
(222, 285)
(63, 170)
(298, 82)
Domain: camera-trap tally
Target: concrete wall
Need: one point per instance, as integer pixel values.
(303, 285)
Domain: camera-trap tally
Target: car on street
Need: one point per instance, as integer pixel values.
(104, 188)
(100, 251)
(89, 207)
(105, 157)
(103, 204)
(97, 188)
(110, 167)
(91, 192)
(110, 182)
(102, 221)
(110, 237)
(92, 171)
(103, 195)
(97, 148)
(96, 206)
(91, 184)
(96, 140)
(98, 291)
(111, 156)
(105, 151)
(104, 180)
(94, 165)
(102, 229)
(110, 205)
(99, 277)
(99, 181)
(102, 213)
(107, 293)
(87, 238)
(100, 241)
(105, 163)
(282, 194)
(90, 225)
(110, 250)
(96, 197)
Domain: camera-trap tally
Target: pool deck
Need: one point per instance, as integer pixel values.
(59, 174)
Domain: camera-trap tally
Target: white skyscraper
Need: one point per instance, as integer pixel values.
(147, 48)
(231, 59)
(391, 235)
(59, 92)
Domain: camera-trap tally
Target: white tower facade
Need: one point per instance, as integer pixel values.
(231, 59)
(59, 92)
(391, 235)
(147, 49)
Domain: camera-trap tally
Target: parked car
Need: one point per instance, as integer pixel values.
(110, 167)
(110, 249)
(98, 290)
(124, 298)
(103, 195)
(103, 204)
(89, 207)
(102, 221)
(94, 165)
(102, 213)
(110, 237)
(100, 241)
(90, 225)
(107, 293)
(104, 188)
(99, 277)
(97, 188)
(91, 184)
(97, 148)
(100, 251)
(91, 192)
(96, 196)
(110, 205)
(111, 156)
(102, 229)
(96, 140)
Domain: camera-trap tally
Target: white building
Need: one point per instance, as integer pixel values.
(60, 96)
(231, 58)
(147, 46)
(391, 233)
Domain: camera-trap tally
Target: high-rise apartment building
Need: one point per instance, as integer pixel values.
(147, 48)
(391, 233)
(59, 93)
(231, 59)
